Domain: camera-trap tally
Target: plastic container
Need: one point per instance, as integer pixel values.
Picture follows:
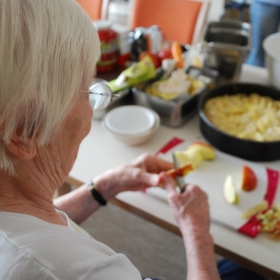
(271, 47)
(124, 124)
(109, 46)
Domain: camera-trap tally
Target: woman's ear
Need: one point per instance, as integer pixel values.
(24, 149)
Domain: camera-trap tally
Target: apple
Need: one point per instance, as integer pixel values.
(230, 193)
(165, 54)
(156, 60)
(248, 179)
(181, 171)
(189, 157)
(206, 150)
(255, 210)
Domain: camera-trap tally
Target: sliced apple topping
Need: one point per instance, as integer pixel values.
(248, 179)
(230, 193)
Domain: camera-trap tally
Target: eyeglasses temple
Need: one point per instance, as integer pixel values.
(106, 94)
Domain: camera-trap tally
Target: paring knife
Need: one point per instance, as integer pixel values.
(180, 180)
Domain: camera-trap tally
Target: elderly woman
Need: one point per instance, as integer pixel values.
(48, 53)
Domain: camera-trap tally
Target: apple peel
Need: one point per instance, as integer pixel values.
(181, 171)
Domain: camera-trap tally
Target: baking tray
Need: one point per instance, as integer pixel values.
(246, 149)
(172, 113)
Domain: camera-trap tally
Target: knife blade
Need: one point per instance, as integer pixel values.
(180, 180)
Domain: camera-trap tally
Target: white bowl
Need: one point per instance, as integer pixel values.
(130, 119)
(133, 138)
(271, 46)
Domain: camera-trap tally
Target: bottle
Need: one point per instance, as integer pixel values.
(156, 38)
(109, 46)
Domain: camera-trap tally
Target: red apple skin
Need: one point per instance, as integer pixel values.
(165, 54)
(181, 172)
(156, 60)
(248, 179)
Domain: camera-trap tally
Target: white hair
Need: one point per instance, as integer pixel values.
(48, 50)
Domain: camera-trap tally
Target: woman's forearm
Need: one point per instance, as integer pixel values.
(78, 204)
(142, 173)
(201, 262)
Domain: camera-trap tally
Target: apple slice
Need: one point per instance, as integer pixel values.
(230, 193)
(188, 157)
(248, 179)
(255, 210)
(206, 150)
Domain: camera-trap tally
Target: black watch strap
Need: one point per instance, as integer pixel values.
(96, 194)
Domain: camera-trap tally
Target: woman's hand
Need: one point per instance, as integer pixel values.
(190, 208)
(141, 173)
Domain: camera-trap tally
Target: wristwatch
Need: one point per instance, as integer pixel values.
(95, 193)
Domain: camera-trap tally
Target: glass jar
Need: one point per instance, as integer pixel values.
(109, 46)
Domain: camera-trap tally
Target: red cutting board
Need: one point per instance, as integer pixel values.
(210, 176)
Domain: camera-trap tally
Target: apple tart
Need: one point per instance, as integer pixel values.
(252, 117)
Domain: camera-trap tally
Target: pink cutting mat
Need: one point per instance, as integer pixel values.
(210, 176)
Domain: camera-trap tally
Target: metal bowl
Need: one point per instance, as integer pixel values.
(246, 149)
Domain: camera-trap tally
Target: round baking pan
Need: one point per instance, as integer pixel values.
(246, 149)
